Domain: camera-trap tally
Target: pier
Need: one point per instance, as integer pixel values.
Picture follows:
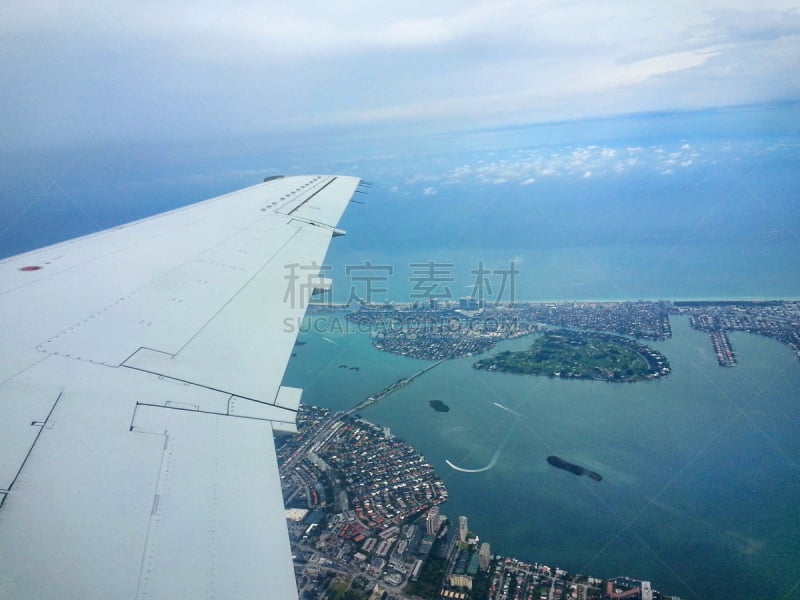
(723, 349)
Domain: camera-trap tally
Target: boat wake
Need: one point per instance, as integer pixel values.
(509, 410)
(492, 463)
(493, 460)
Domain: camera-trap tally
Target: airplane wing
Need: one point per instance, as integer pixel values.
(140, 386)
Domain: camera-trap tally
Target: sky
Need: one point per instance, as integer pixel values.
(111, 111)
(89, 74)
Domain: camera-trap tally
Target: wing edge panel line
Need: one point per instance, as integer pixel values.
(207, 387)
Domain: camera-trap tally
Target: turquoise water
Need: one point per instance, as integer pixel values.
(683, 206)
(700, 483)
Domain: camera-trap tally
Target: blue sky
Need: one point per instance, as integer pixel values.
(94, 73)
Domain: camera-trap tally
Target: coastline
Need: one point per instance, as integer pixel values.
(335, 307)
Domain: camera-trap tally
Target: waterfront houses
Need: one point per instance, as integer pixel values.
(774, 318)
(364, 518)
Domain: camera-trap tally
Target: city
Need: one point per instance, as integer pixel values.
(452, 329)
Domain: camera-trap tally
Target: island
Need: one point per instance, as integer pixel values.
(560, 463)
(439, 406)
(574, 354)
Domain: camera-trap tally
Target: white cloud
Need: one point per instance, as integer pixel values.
(429, 191)
(166, 70)
(655, 66)
(584, 162)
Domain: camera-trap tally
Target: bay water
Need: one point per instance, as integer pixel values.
(700, 488)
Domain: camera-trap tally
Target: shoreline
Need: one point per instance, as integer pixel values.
(337, 306)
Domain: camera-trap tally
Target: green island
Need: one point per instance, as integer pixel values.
(575, 354)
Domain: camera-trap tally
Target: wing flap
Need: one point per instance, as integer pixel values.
(210, 463)
(75, 521)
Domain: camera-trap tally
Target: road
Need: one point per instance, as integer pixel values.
(400, 383)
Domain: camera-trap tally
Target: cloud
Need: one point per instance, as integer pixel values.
(160, 71)
(639, 71)
(429, 191)
(526, 167)
(750, 25)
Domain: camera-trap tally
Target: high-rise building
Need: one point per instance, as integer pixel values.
(463, 528)
(433, 521)
(467, 303)
(485, 554)
(647, 591)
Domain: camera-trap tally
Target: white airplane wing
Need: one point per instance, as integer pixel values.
(140, 385)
